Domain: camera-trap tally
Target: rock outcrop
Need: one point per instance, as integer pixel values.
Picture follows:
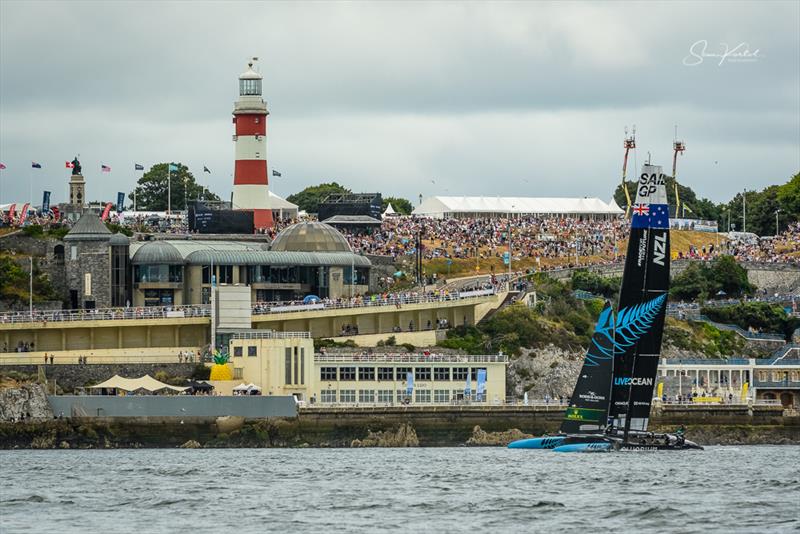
(191, 444)
(403, 436)
(549, 371)
(25, 403)
(481, 438)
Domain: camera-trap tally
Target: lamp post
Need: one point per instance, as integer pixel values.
(30, 292)
(776, 222)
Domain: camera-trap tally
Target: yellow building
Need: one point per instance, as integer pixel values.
(284, 363)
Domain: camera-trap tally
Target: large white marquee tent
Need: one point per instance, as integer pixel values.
(456, 207)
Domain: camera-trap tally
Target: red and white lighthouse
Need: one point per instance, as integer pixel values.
(250, 181)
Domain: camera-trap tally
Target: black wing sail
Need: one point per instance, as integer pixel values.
(642, 304)
(588, 408)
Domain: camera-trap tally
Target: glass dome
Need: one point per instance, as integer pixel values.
(311, 237)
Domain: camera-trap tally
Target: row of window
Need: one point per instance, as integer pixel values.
(252, 350)
(383, 396)
(157, 273)
(398, 373)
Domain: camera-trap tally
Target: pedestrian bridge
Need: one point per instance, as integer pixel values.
(125, 332)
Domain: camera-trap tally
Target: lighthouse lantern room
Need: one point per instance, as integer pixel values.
(250, 181)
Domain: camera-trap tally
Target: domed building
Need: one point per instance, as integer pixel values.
(310, 237)
(308, 258)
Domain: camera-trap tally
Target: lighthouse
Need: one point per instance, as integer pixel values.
(250, 182)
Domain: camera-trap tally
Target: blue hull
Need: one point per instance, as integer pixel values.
(547, 442)
(584, 447)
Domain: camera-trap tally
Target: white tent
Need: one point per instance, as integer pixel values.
(389, 211)
(445, 207)
(282, 207)
(147, 382)
(241, 387)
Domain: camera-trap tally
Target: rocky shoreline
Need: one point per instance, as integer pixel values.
(294, 433)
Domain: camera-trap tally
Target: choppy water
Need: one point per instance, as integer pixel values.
(723, 489)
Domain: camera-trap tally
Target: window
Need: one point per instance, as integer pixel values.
(327, 395)
(347, 373)
(288, 366)
(347, 395)
(366, 373)
(460, 373)
(73, 252)
(422, 373)
(385, 373)
(252, 350)
(385, 395)
(402, 373)
(475, 373)
(441, 373)
(422, 395)
(366, 395)
(206, 274)
(237, 351)
(441, 395)
(225, 274)
(458, 394)
(302, 366)
(237, 372)
(402, 395)
(327, 373)
(296, 366)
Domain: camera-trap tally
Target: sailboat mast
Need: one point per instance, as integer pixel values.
(629, 144)
(678, 147)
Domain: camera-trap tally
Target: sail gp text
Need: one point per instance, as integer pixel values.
(628, 381)
(648, 184)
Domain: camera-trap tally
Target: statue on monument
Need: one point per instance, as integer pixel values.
(76, 166)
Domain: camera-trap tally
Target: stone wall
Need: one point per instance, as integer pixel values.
(94, 257)
(69, 376)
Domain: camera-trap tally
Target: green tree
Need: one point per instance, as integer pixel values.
(596, 283)
(762, 316)
(789, 201)
(705, 281)
(151, 193)
(309, 198)
(400, 205)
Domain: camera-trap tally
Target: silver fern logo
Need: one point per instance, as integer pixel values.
(635, 321)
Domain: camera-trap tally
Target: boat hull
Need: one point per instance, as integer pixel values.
(544, 442)
(639, 442)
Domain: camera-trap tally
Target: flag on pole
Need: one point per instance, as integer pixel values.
(120, 202)
(105, 168)
(35, 165)
(69, 165)
(46, 202)
(276, 173)
(138, 167)
(409, 384)
(2, 166)
(172, 167)
(206, 169)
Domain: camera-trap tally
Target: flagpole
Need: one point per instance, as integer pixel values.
(169, 190)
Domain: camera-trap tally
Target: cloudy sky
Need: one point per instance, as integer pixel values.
(451, 98)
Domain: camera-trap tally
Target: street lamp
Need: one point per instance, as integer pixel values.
(776, 221)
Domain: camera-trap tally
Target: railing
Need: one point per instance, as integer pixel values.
(753, 336)
(271, 334)
(204, 310)
(367, 302)
(411, 358)
(778, 357)
(108, 314)
(705, 361)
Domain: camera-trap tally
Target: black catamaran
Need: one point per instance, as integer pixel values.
(610, 405)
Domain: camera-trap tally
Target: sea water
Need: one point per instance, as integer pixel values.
(487, 490)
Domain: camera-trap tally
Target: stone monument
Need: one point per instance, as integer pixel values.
(77, 192)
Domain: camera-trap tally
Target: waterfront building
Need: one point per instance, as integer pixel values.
(305, 259)
(774, 379)
(284, 363)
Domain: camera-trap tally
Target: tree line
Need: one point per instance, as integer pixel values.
(761, 206)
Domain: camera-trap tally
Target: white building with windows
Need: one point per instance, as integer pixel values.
(284, 363)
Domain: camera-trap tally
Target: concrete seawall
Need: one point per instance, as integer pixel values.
(450, 426)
